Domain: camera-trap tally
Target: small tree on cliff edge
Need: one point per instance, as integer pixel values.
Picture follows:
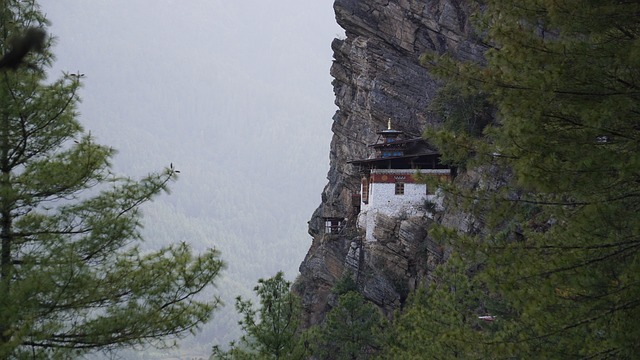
(72, 279)
(270, 332)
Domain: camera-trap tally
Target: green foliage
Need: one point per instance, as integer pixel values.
(462, 110)
(559, 245)
(442, 321)
(72, 277)
(270, 331)
(465, 113)
(352, 329)
(344, 285)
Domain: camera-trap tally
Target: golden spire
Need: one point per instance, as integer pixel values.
(389, 124)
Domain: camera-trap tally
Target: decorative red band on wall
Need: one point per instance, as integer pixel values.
(403, 178)
(392, 178)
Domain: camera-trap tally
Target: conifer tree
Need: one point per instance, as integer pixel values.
(270, 332)
(352, 328)
(72, 277)
(560, 247)
(449, 319)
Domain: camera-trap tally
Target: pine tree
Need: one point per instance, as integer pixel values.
(445, 320)
(72, 277)
(352, 328)
(560, 245)
(270, 332)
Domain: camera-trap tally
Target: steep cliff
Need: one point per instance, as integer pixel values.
(378, 76)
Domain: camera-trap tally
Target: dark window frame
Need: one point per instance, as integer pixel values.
(399, 188)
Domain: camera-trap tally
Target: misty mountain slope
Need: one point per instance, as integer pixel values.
(236, 95)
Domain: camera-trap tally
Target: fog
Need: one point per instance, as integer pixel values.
(237, 96)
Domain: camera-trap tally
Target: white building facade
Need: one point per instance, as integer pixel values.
(390, 184)
(396, 193)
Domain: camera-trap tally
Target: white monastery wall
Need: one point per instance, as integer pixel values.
(383, 199)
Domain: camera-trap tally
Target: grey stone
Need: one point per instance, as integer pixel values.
(377, 75)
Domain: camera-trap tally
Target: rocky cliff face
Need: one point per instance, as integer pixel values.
(377, 76)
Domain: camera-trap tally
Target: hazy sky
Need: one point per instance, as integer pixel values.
(214, 87)
(150, 61)
(200, 82)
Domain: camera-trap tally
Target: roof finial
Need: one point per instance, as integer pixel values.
(389, 124)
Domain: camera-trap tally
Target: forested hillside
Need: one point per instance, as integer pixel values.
(237, 96)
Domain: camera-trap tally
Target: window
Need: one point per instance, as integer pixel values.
(390, 153)
(334, 225)
(365, 190)
(399, 188)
